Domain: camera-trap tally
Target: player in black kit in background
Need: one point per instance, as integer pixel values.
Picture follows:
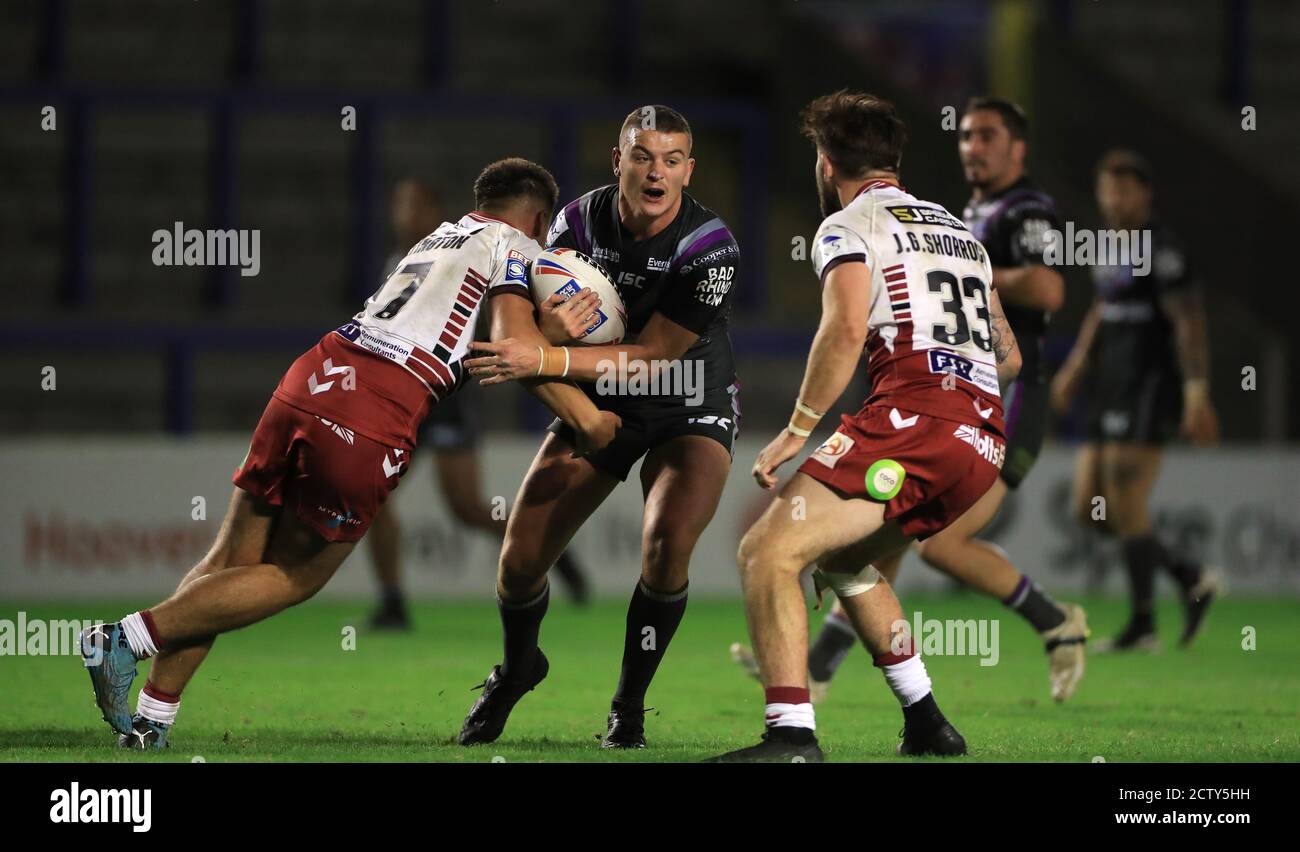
(1144, 349)
(675, 264)
(1009, 214)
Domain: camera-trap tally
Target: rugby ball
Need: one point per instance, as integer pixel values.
(565, 271)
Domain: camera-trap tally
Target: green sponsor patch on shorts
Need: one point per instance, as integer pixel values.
(885, 479)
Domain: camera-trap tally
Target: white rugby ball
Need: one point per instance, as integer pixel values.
(566, 271)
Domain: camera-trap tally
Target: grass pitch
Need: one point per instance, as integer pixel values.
(286, 690)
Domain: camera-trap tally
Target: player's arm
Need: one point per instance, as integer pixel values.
(836, 348)
(512, 317)
(685, 312)
(1066, 381)
(1031, 283)
(1006, 351)
(1033, 286)
(659, 343)
(1186, 312)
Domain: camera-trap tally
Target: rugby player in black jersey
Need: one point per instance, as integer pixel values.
(675, 264)
(1144, 351)
(1009, 214)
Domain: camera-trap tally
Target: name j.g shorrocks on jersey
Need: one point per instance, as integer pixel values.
(379, 373)
(929, 340)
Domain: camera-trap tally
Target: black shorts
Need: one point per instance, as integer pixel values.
(649, 422)
(1025, 408)
(453, 424)
(1146, 408)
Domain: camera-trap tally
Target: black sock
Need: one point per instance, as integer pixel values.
(1033, 603)
(520, 624)
(566, 567)
(830, 647)
(652, 619)
(392, 598)
(1185, 572)
(1141, 559)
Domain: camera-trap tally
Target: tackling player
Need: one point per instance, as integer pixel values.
(674, 263)
(904, 278)
(451, 431)
(1009, 214)
(335, 439)
(1144, 348)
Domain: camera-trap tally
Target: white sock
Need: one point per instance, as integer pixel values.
(155, 708)
(138, 637)
(790, 716)
(908, 680)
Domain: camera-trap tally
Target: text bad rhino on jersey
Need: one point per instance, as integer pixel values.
(212, 247)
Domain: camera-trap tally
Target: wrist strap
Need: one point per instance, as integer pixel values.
(804, 419)
(550, 362)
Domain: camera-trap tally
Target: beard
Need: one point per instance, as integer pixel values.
(828, 199)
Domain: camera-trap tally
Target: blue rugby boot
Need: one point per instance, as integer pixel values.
(111, 665)
(146, 735)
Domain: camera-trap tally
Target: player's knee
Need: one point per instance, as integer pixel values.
(667, 549)
(520, 565)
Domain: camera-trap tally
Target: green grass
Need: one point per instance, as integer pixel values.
(284, 690)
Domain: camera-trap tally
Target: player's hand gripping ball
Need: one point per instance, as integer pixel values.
(565, 273)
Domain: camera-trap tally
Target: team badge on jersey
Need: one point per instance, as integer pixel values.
(833, 449)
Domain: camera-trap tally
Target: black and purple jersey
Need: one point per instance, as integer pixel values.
(1012, 225)
(686, 272)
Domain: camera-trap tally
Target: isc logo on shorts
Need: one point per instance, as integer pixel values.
(833, 449)
(993, 450)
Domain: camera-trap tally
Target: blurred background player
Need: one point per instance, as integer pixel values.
(674, 263)
(451, 431)
(1009, 214)
(1144, 349)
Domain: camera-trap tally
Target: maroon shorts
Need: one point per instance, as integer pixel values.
(333, 479)
(926, 470)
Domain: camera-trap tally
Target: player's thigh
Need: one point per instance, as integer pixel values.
(243, 537)
(307, 559)
(460, 479)
(808, 521)
(555, 499)
(682, 480)
(941, 545)
(1128, 473)
(1087, 482)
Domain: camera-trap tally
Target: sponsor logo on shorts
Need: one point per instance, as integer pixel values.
(343, 432)
(993, 450)
(980, 375)
(833, 449)
(338, 519)
(885, 479)
(711, 420)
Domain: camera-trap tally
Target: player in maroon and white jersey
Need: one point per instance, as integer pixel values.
(336, 438)
(904, 278)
